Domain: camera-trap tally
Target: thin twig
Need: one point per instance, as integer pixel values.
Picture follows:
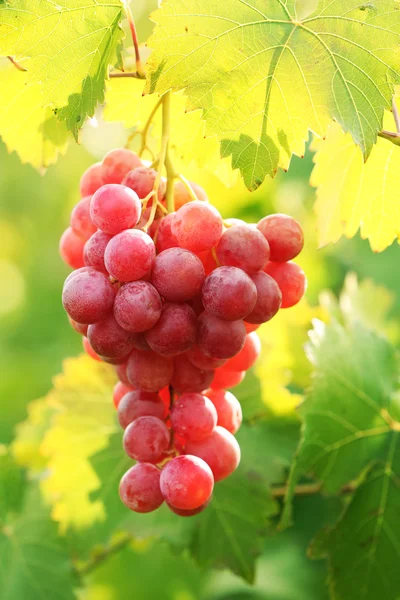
(125, 75)
(396, 114)
(129, 16)
(102, 556)
(187, 185)
(391, 136)
(16, 65)
(146, 127)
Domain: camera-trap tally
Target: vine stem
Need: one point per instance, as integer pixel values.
(126, 74)
(132, 26)
(102, 556)
(145, 130)
(16, 65)
(396, 114)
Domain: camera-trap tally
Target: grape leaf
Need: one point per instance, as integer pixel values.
(26, 126)
(353, 195)
(264, 76)
(363, 548)
(68, 45)
(11, 484)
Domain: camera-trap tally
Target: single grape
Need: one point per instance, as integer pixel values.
(178, 274)
(146, 439)
(88, 297)
(109, 339)
(244, 247)
(284, 236)
(141, 180)
(120, 390)
(71, 249)
(175, 331)
(247, 356)
(182, 195)
(250, 327)
(188, 378)
(269, 299)
(121, 373)
(148, 371)
(197, 226)
(291, 280)
(186, 482)
(163, 236)
(229, 293)
(228, 409)
(73, 274)
(220, 451)
(89, 350)
(79, 327)
(140, 489)
(137, 403)
(81, 222)
(232, 221)
(117, 163)
(208, 261)
(218, 338)
(95, 248)
(193, 416)
(130, 255)
(202, 361)
(137, 306)
(225, 379)
(92, 180)
(114, 208)
(188, 513)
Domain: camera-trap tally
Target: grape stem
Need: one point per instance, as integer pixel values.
(145, 131)
(102, 556)
(132, 27)
(125, 74)
(396, 114)
(187, 185)
(306, 489)
(16, 65)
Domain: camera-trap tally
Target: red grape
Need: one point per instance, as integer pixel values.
(117, 163)
(141, 180)
(121, 373)
(269, 299)
(130, 255)
(140, 342)
(140, 489)
(175, 331)
(247, 356)
(81, 222)
(178, 274)
(188, 513)
(186, 482)
(164, 238)
(136, 404)
(95, 248)
(207, 260)
(92, 180)
(148, 371)
(89, 350)
(202, 361)
(225, 379)
(197, 226)
(114, 208)
(146, 439)
(79, 327)
(193, 416)
(71, 249)
(188, 378)
(218, 338)
(228, 408)
(137, 306)
(291, 280)
(250, 327)
(284, 235)
(73, 274)
(220, 451)
(120, 390)
(182, 195)
(88, 297)
(229, 293)
(244, 247)
(109, 339)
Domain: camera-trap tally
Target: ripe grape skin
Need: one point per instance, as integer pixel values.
(141, 180)
(202, 361)
(178, 274)
(85, 269)
(188, 513)
(284, 235)
(218, 338)
(95, 248)
(120, 390)
(188, 378)
(129, 256)
(117, 163)
(114, 208)
(140, 489)
(88, 297)
(197, 226)
(229, 293)
(207, 260)
(137, 306)
(148, 371)
(193, 416)
(247, 356)
(220, 451)
(164, 238)
(146, 439)
(140, 342)
(186, 482)
(182, 195)
(71, 249)
(109, 339)
(80, 221)
(291, 280)
(228, 409)
(244, 247)
(78, 327)
(92, 180)
(269, 299)
(250, 327)
(225, 379)
(121, 373)
(136, 403)
(175, 331)
(89, 350)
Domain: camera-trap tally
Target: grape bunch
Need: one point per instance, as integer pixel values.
(173, 303)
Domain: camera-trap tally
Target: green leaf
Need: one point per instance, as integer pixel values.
(264, 75)
(11, 484)
(363, 549)
(68, 47)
